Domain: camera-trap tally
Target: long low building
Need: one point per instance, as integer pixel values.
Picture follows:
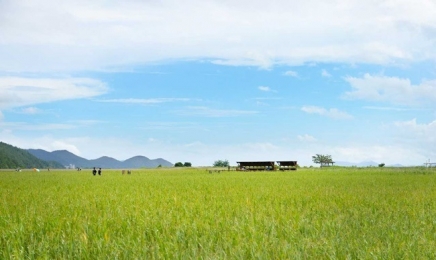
(267, 166)
(256, 166)
(287, 165)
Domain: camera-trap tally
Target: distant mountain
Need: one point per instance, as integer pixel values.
(107, 162)
(139, 160)
(360, 164)
(62, 156)
(12, 157)
(66, 158)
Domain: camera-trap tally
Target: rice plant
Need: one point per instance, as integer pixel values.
(336, 213)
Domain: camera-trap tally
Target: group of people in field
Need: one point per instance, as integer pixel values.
(98, 171)
(94, 171)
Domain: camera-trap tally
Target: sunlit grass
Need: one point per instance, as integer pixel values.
(164, 213)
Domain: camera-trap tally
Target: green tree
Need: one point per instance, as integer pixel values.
(381, 165)
(322, 160)
(221, 163)
(178, 164)
(187, 164)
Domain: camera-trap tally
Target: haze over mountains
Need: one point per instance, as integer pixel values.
(67, 158)
(363, 164)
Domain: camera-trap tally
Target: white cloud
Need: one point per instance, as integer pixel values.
(17, 92)
(145, 101)
(291, 73)
(45, 142)
(26, 126)
(385, 108)
(419, 132)
(38, 127)
(62, 145)
(391, 90)
(1, 116)
(210, 112)
(325, 73)
(332, 112)
(30, 110)
(306, 138)
(263, 88)
(187, 126)
(44, 35)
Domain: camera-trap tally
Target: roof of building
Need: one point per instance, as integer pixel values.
(287, 163)
(263, 163)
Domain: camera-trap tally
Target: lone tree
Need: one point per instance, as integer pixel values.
(221, 163)
(322, 160)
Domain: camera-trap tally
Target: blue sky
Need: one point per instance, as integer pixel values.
(208, 80)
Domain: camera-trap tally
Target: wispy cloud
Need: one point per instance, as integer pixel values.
(267, 98)
(31, 110)
(306, 138)
(210, 112)
(86, 122)
(25, 126)
(325, 73)
(172, 126)
(45, 36)
(332, 112)
(423, 132)
(386, 108)
(36, 127)
(291, 73)
(148, 101)
(264, 88)
(393, 90)
(18, 91)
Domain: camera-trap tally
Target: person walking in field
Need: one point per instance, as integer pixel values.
(94, 171)
(99, 171)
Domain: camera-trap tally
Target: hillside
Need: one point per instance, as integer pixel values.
(62, 156)
(12, 157)
(66, 158)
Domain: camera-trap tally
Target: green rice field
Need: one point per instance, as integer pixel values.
(311, 213)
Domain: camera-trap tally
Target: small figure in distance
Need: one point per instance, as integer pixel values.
(99, 171)
(94, 171)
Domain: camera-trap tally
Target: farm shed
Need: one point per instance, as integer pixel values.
(256, 166)
(287, 165)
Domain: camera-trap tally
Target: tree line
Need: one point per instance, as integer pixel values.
(180, 164)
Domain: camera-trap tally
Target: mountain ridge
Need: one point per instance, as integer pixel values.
(68, 158)
(13, 157)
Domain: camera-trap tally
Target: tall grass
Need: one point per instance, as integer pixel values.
(309, 213)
